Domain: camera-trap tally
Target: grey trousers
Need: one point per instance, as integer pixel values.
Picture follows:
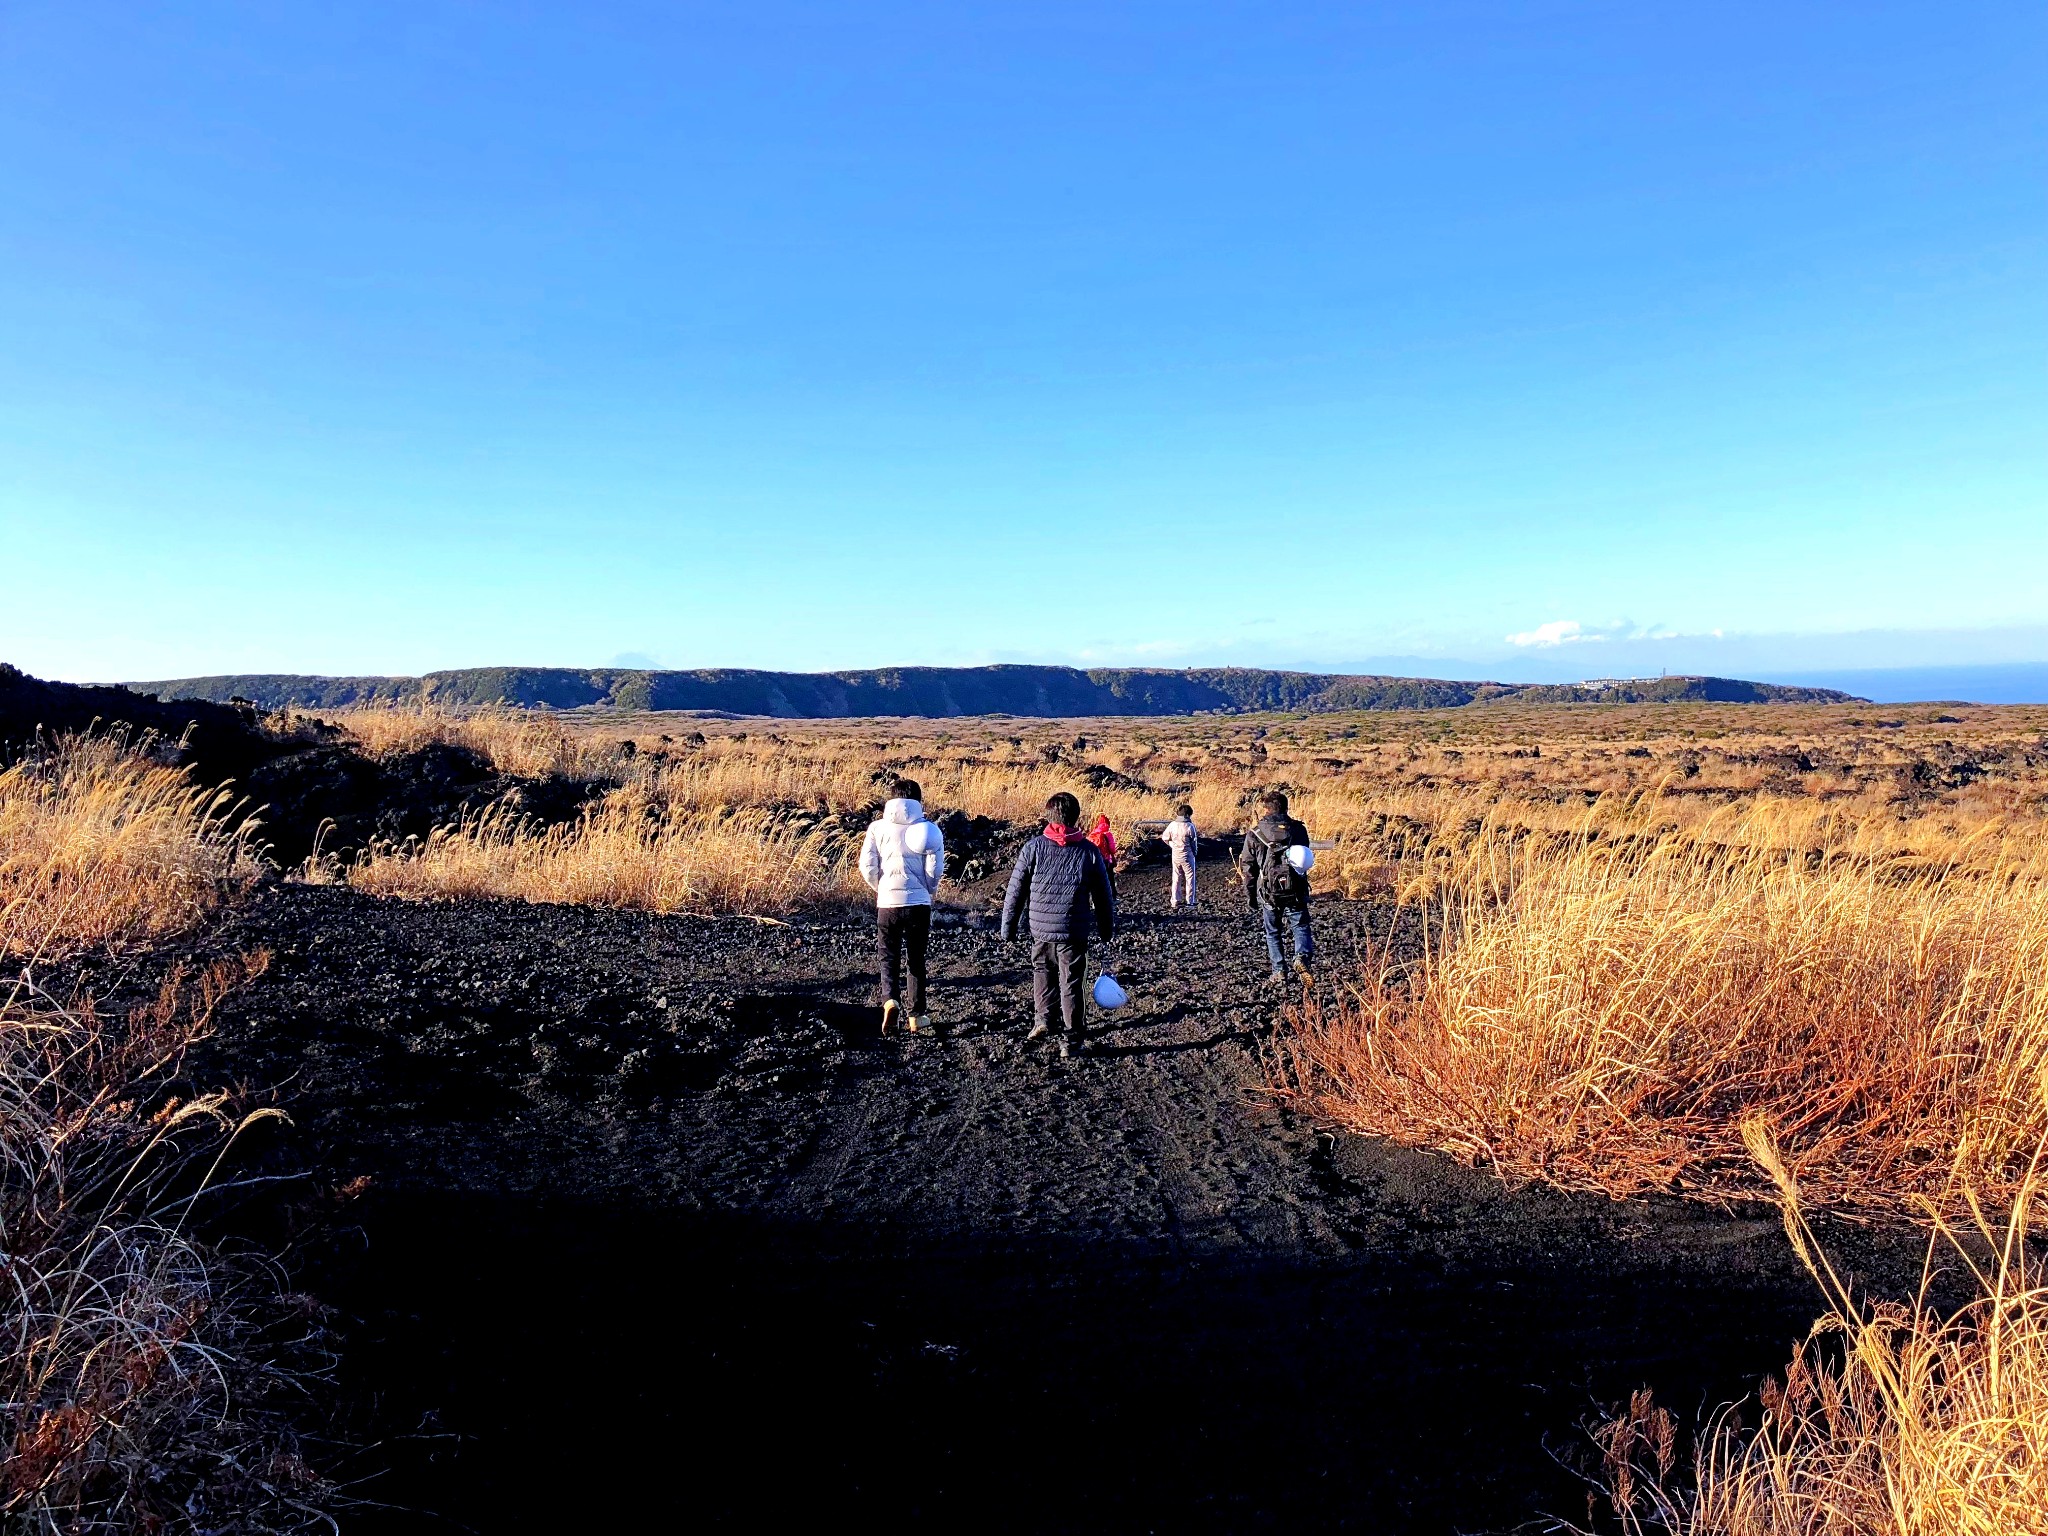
(1059, 969)
(1183, 882)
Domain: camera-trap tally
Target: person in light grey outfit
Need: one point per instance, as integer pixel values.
(902, 859)
(1185, 844)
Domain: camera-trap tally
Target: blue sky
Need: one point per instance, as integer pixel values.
(1554, 339)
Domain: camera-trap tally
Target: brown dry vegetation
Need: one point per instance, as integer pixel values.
(127, 1400)
(1606, 1012)
(131, 1397)
(1664, 948)
(625, 852)
(1401, 794)
(1380, 784)
(520, 742)
(1897, 1420)
(101, 844)
(1645, 923)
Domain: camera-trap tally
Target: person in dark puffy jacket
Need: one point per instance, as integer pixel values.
(1275, 887)
(1060, 890)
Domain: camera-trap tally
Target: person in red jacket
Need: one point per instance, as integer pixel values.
(1104, 841)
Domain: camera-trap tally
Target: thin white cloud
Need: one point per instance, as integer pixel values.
(1557, 632)
(1571, 632)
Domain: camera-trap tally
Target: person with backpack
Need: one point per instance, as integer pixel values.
(902, 859)
(1185, 846)
(1274, 866)
(1060, 891)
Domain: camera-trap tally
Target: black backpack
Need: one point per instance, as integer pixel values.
(1280, 883)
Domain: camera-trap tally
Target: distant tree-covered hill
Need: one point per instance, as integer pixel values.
(940, 691)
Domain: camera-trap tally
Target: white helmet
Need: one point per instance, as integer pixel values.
(1109, 996)
(1301, 858)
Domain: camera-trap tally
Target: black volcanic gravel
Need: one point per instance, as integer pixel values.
(660, 1235)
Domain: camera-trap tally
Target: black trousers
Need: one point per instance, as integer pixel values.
(1059, 969)
(901, 931)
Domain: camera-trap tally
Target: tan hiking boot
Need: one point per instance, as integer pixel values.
(889, 1011)
(921, 1021)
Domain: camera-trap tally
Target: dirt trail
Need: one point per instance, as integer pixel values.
(661, 1235)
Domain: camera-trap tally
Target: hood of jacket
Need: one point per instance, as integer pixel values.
(1279, 830)
(902, 858)
(1061, 834)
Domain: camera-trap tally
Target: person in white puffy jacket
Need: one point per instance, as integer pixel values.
(901, 859)
(1185, 844)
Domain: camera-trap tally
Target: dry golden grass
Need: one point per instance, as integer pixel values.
(1665, 947)
(522, 742)
(131, 1398)
(625, 852)
(1606, 1013)
(128, 1396)
(1386, 786)
(842, 782)
(1401, 795)
(99, 845)
(1903, 1421)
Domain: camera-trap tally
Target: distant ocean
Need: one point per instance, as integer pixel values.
(2024, 682)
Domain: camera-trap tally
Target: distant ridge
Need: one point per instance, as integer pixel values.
(948, 691)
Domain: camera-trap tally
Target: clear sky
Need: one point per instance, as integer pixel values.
(1563, 338)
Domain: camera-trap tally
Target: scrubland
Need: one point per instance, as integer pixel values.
(1725, 952)
(1894, 1417)
(1606, 1011)
(1401, 795)
(1639, 926)
(631, 850)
